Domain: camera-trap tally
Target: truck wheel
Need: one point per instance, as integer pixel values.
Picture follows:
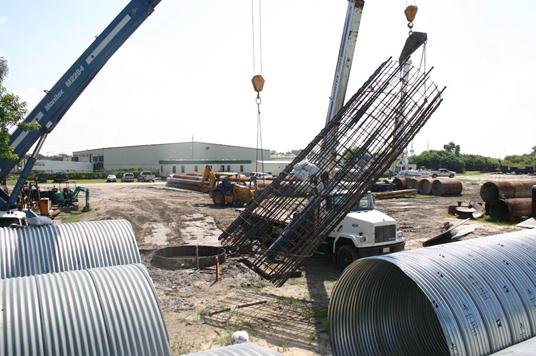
(218, 198)
(346, 254)
(434, 175)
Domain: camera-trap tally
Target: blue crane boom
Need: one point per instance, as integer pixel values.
(64, 93)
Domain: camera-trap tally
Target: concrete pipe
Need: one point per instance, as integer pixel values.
(425, 186)
(504, 209)
(66, 247)
(472, 297)
(447, 188)
(507, 189)
(401, 183)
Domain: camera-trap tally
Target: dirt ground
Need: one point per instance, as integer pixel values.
(291, 319)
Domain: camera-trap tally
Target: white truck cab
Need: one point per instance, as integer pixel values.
(364, 232)
(22, 218)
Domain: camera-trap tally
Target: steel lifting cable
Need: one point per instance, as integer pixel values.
(257, 80)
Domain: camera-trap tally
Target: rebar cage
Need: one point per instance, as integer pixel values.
(290, 218)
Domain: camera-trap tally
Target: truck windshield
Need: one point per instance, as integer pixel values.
(366, 203)
(7, 222)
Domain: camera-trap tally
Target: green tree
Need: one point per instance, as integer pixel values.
(452, 148)
(12, 111)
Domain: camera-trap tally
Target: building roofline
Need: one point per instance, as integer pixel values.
(167, 143)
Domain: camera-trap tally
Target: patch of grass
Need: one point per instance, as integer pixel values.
(422, 196)
(74, 215)
(181, 346)
(226, 338)
(203, 313)
(471, 173)
(292, 302)
(489, 219)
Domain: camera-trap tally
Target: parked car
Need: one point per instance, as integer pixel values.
(60, 177)
(111, 178)
(127, 177)
(443, 172)
(411, 173)
(261, 175)
(146, 176)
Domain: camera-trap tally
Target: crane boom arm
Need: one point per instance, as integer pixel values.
(64, 93)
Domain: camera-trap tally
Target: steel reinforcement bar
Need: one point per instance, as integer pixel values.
(287, 222)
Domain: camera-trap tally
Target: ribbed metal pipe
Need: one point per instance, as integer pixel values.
(66, 247)
(245, 349)
(101, 311)
(466, 298)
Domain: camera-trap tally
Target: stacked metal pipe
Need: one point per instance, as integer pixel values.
(66, 247)
(508, 199)
(466, 298)
(55, 300)
(100, 311)
(350, 153)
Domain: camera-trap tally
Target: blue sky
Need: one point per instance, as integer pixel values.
(187, 70)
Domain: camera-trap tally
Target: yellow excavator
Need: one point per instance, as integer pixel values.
(228, 189)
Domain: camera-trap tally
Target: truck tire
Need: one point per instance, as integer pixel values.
(345, 255)
(218, 198)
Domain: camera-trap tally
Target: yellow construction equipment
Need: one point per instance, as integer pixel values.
(229, 188)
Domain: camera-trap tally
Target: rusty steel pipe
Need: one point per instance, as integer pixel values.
(505, 209)
(447, 187)
(413, 183)
(506, 189)
(401, 183)
(425, 186)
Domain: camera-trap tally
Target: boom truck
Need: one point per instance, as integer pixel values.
(50, 110)
(364, 231)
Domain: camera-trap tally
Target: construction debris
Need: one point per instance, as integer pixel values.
(395, 194)
(452, 233)
(352, 152)
(470, 210)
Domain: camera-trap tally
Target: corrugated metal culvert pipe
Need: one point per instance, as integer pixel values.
(66, 247)
(102, 311)
(466, 298)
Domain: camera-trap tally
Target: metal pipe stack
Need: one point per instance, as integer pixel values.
(77, 289)
(508, 199)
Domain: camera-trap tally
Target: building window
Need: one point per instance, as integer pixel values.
(161, 169)
(241, 168)
(222, 168)
(228, 168)
(195, 168)
(174, 169)
(182, 169)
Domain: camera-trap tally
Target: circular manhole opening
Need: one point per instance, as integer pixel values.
(187, 256)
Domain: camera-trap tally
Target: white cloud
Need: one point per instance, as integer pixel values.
(3, 19)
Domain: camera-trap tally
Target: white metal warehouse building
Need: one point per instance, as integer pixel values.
(163, 157)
